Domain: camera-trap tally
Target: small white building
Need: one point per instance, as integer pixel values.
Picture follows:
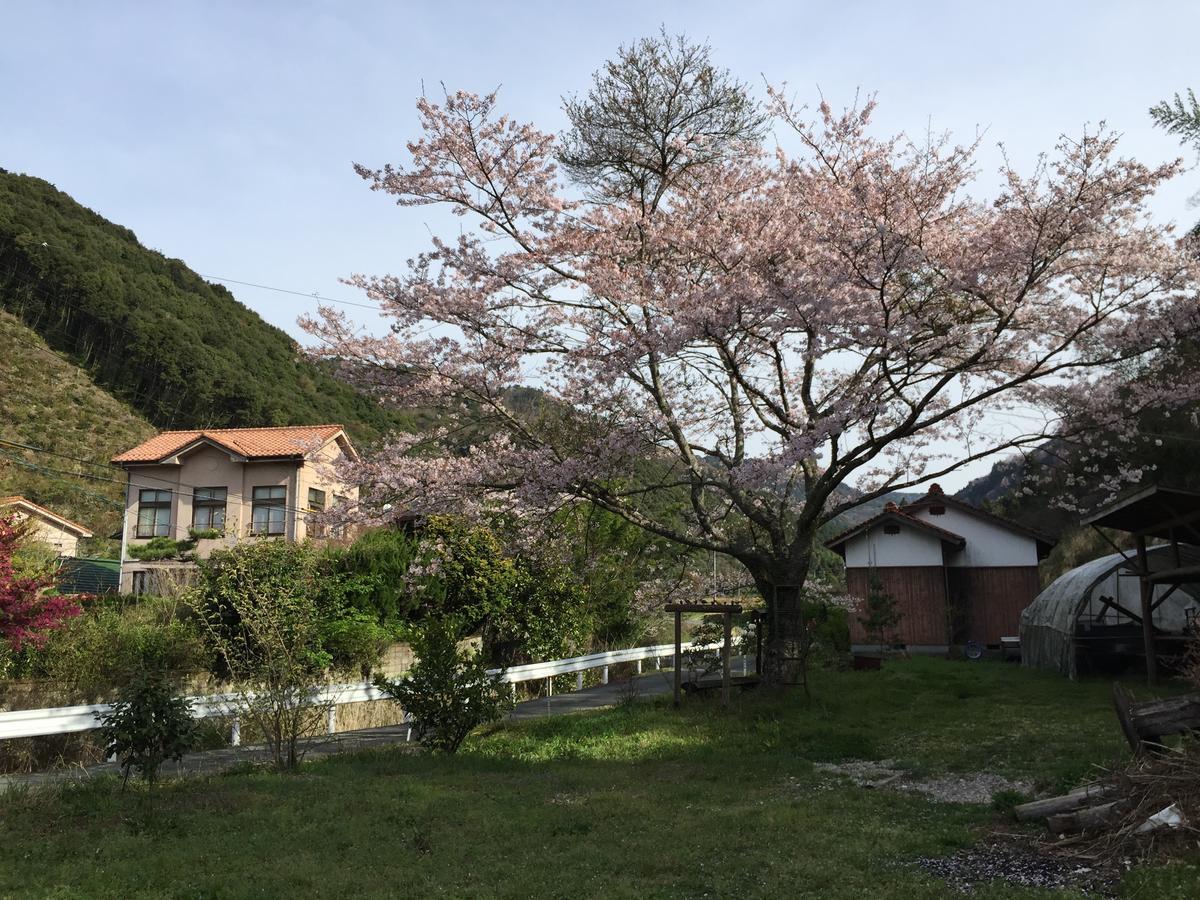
(958, 573)
(45, 526)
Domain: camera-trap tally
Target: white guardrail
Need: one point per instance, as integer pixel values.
(22, 723)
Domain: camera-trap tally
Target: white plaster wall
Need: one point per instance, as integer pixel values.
(988, 543)
(63, 542)
(910, 547)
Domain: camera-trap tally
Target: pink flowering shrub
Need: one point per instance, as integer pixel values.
(27, 613)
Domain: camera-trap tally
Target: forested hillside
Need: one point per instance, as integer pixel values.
(48, 403)
(181, 351)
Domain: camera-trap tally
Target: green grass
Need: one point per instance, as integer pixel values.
(633, 802)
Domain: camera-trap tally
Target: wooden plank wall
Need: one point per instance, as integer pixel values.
(993, 598)
(920, 593)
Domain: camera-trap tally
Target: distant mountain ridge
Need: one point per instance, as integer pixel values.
(181, 351)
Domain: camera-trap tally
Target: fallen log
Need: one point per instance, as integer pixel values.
(1082, 819)
(1052, 806)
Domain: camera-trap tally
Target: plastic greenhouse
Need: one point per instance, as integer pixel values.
(1087, 620)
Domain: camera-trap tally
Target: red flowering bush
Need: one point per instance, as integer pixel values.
(27, 613)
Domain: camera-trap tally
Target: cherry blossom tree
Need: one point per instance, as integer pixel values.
(762, 331)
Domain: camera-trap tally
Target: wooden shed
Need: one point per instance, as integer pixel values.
(957, 572)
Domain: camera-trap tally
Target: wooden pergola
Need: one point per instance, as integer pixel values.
(727, 611)
(1169, 514)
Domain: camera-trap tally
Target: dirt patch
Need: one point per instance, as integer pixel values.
(1020, 865)
(978, 787)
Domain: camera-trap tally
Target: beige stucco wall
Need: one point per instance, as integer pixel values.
(65, 543)
(208, 467)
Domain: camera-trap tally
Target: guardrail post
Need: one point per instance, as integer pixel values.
(235, 732)
(513, 685)
(331, 720)
(658, 664)
(579, 680)
(604, 675)
(549, 687)
(639, 667)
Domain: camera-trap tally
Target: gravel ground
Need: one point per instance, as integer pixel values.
(975, 788)
(1020, 864)
(1017, 865)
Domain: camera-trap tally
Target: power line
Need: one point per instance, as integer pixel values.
(320, 298)
(43, 469)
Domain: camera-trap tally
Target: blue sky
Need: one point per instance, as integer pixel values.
(223, 133)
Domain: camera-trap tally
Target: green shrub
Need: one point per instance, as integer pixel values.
(374, 572)
(147, 725)
(881, 615)
(161, 548)
(545, 615)
(274, 620)
(527, 607)
(448, 692)
(830, 626)
(355, 639)
(115, 640)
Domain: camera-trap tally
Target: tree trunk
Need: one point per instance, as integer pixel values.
(785, 657)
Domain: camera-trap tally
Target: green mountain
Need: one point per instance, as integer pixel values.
(179, 350)
(49, 403)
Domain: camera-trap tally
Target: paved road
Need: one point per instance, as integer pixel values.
(211, 761)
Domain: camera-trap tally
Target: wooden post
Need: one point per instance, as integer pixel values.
(758, 626)
(726, 656)
(1147, 593)
(678, 654)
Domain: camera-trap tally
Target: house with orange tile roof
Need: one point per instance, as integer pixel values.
(957, 572)
(220, 486)
(46, 526)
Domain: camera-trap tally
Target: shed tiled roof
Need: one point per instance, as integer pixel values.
(936, 497)
(30, 506)
(891, 513)
(252, 443)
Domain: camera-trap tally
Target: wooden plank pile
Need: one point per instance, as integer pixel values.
(1120, 803)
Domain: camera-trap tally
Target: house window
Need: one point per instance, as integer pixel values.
(937, 510)
(208, 508)
(891, 528)
(268, 508)
(316, 504)
(154, 514)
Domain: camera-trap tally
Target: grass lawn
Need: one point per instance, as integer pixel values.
(639, 802)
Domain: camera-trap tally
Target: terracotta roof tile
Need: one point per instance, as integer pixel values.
(252, 443)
